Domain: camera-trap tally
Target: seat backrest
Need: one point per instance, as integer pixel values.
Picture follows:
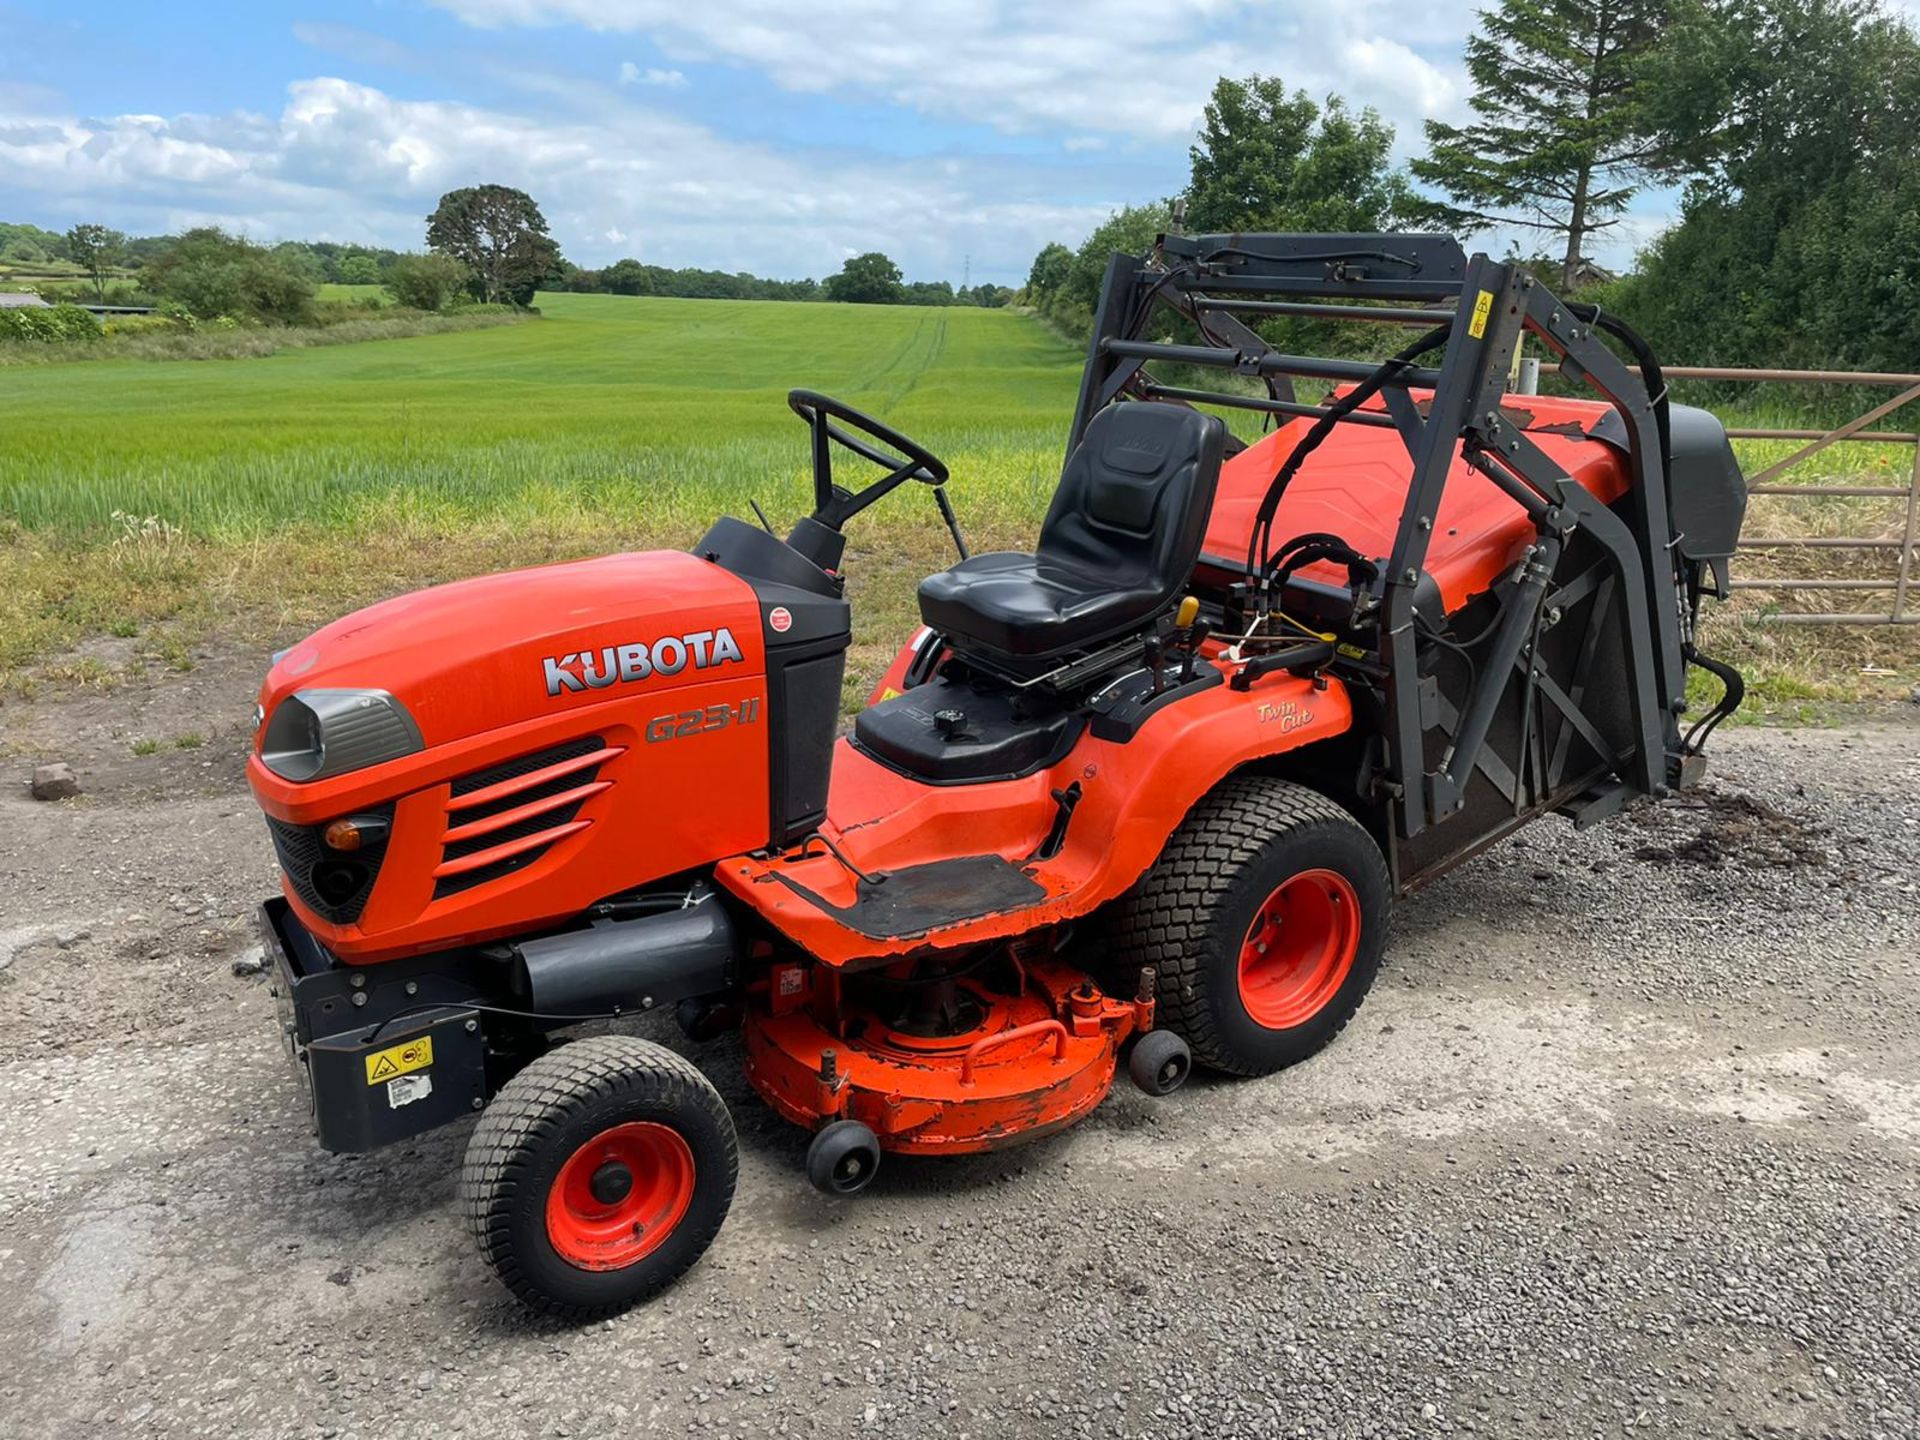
(1134, 498)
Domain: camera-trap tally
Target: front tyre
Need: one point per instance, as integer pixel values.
(598, 1175)
(1264, 920)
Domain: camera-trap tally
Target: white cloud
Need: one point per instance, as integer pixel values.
(1140, 68)
(632, 74)
(1113, 89)
(344, 161)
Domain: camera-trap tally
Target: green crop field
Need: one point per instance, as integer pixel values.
(172, 500)
(270, 493)
(634, 407)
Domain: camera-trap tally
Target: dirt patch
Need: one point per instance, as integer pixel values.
(1719, 828)
(136, 728)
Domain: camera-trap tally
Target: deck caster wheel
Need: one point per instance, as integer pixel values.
(843, 1158)
(599, 1175)
(1160, 1062)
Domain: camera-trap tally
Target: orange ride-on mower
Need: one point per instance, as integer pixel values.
(1141, 797)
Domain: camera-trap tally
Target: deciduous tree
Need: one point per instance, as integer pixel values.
(499, 234)
(1269, 160)
(426, 282)
(1048, 273)
(1131, 230)
(213, 273)
(869, 279)
(95, 249)
(625, 277)
(1796, 125)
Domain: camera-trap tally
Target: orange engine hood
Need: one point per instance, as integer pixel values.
(583, 729)
(477, 655)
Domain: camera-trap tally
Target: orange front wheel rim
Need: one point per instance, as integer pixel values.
(620, 1195)
(1299, 949)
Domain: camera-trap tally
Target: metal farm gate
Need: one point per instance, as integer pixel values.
(1897, 548)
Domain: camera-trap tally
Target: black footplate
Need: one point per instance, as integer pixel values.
(912, 901)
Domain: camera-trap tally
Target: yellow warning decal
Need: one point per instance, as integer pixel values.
(1482, 308)
(889, 693)
(399, 1059)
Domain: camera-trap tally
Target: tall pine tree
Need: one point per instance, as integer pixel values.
(1558, 146)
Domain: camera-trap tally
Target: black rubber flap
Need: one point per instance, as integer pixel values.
(927, 897)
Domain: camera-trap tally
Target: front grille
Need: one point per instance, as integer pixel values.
(576, 776)
(332, 885)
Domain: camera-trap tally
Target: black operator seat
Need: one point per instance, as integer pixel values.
(1118, 545)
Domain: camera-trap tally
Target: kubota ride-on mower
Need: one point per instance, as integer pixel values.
(1143, 795)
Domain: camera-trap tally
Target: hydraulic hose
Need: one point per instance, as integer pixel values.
(1258, 553)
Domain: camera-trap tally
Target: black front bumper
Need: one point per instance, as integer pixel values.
(386, 1051)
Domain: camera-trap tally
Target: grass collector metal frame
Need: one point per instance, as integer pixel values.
(1648, 583)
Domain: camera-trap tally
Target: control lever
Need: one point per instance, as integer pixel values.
(1187, 618)
(1065, 801)
(953, 521)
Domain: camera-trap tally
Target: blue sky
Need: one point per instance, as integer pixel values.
(757, 135)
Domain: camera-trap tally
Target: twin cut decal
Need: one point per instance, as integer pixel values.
(668, 655)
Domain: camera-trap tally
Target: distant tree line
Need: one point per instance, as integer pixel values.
(486, 244)
(320, 261)
(870, 279)
(1791, 127)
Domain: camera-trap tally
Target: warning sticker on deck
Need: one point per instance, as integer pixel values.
(383, 1065)
(405, 1089)
(1482, 308)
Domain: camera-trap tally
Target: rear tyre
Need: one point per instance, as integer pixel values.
(598, 1176)
(843, 1158)
(1264, 920)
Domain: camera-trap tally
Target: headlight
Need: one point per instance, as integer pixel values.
(316, 733)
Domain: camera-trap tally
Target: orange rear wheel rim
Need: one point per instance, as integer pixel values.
(620, 1195)
(1299, 949)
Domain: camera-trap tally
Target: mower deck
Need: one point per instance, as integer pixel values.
(1030, 1057)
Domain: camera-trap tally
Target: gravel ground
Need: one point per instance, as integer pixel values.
(1626, 1138)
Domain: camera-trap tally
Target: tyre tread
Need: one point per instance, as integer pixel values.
(1164, 920)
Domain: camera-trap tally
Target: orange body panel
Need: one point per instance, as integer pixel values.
(468, 661)
(1355, 487)
(1134, 795)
